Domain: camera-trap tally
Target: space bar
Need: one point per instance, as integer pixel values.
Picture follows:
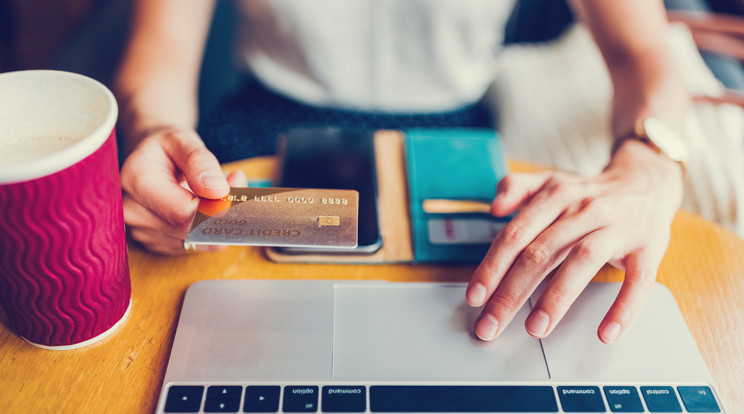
(461, 398)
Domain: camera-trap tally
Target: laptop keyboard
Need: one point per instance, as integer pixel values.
(439, 399)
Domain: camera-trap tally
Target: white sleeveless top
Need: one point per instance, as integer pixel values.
(390, 55)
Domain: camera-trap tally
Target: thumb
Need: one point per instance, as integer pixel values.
(514, 190)
(199, 166)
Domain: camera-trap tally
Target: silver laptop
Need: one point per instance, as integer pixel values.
(384, 347)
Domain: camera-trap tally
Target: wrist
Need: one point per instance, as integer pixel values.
(660, 138)
(634, 159)
(144, 113)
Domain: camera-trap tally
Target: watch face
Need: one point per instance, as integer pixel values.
(668, 141)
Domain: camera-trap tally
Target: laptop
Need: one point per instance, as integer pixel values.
(387, 347)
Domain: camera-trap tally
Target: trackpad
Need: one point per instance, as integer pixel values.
(424, 332)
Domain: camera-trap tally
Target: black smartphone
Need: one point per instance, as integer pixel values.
(334, 158)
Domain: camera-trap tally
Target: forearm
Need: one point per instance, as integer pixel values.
(157, 82)
(632, 35)
(566, 227)
(648, 85)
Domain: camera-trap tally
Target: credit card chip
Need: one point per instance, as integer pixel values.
(334, 221)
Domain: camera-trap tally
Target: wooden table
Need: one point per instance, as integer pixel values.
(703, 267)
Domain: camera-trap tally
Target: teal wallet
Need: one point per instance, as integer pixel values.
(453, 164)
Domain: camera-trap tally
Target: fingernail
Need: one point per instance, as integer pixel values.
(477, 295)
(611, 332)
(213, 180)
(487, 327)
(538, 323)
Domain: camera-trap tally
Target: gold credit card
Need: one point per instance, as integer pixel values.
(288, 217)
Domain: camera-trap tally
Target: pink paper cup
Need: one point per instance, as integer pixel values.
(64, 271)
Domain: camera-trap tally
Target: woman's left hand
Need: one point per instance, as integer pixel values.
(573, 225)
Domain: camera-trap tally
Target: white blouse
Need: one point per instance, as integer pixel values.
(390, 55)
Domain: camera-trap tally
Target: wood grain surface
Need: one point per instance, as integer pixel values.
(703, 267)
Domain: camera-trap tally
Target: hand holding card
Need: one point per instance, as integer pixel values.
(290, 217)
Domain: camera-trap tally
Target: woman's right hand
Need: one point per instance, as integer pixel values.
(162, 180)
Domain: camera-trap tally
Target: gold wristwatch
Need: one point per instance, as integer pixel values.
(661, 138)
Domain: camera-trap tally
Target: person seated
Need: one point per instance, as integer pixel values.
(400, 64)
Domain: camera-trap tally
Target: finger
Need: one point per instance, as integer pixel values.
(532, 266)
(156, 242)
(584, 260)
(570, 238)
(198, 165)
(156, 234)
(137, 215)
(148, 178)
(514, 190)
(516, 287)
(503, 304)
(544, 208)
(549, 248)
(209, 248)
(640, 274)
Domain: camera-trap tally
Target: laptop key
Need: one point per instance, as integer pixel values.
(221, 406)
(580, 399)
(347, 399)
(184, 399)
(461, 398)
(232, 392)
(698, 399)
(261, 399)
(300, 399)
(661, 399)
(623, 399)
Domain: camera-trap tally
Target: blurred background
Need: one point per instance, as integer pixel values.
(88, 36)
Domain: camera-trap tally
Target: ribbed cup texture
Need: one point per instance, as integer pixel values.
(63, 254)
